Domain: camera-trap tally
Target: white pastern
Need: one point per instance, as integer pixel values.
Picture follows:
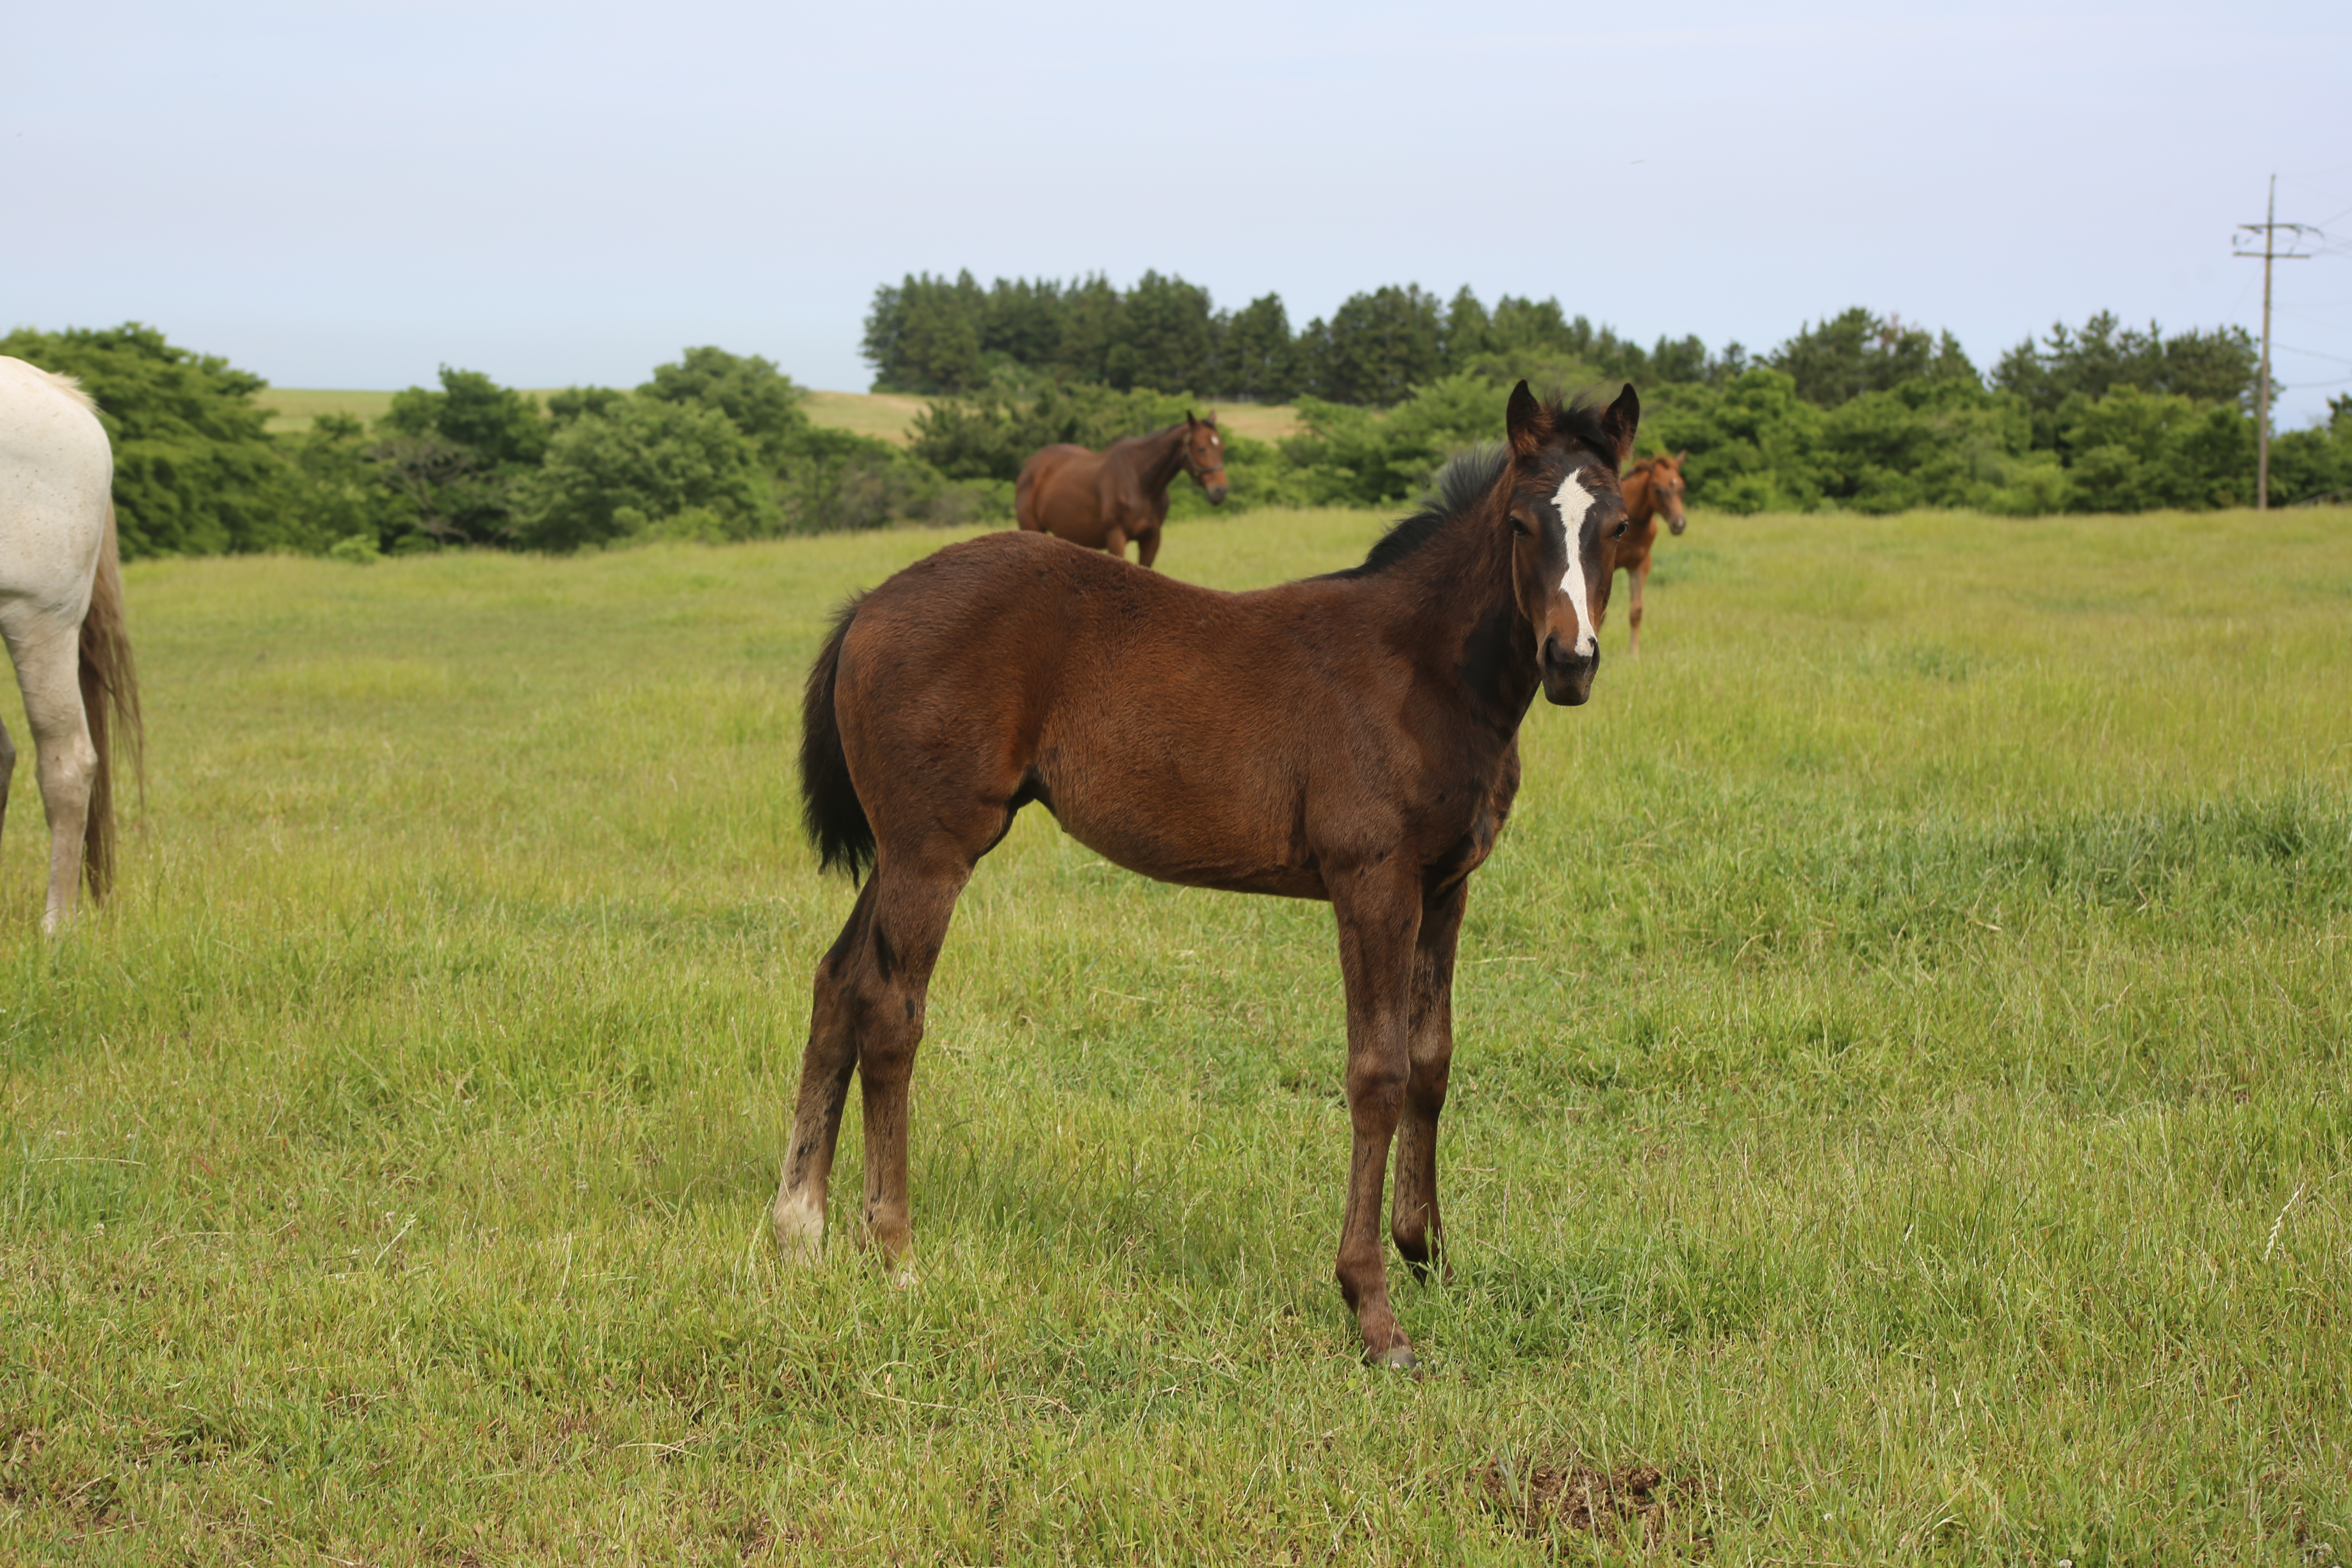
(1574, 501)
(799, 1221)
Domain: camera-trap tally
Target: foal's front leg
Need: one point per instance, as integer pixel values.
(1380, 917)
(1419, 1231)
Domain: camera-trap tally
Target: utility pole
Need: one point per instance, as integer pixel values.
(2269, 229)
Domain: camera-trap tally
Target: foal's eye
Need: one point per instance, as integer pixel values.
(1518, 525)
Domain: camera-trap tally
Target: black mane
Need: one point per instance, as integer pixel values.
(1466, 478)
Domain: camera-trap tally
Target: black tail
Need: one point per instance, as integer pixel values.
(830, 809)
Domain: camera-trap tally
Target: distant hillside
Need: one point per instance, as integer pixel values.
(888, 415)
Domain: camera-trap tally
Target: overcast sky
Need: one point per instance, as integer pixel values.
(351, 195)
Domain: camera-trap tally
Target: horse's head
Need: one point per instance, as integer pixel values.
(1204, 454)
(1566, 514)
(1666, 486)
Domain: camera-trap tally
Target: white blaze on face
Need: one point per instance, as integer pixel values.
(1573, 502)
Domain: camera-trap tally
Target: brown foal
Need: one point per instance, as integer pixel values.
(1352, 737)
(1654, 489)
(1102, 500)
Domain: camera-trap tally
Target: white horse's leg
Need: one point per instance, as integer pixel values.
(49, 672)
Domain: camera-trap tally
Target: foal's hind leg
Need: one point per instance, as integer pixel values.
(49, 672)
(1636, 581)
(1419, 1232)
(826, 1066)
(867, 1013)
(911, 911)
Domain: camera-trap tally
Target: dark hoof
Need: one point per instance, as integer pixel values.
(1398, 1358)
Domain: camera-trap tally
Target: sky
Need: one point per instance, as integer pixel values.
(351, 195)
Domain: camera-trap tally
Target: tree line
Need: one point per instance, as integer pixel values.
(1859, 410)
(936, 336)
(714, 446)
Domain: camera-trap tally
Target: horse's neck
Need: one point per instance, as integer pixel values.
(1159, 457)
(1458, 588)
(1641, 500)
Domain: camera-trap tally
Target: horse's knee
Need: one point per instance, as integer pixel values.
(1377, 1086)
(67, 768)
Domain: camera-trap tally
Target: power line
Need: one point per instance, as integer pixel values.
(2270, 229)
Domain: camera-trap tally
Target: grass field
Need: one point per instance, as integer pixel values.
(885, 415)
(1902, 1098)
(889, 415)
(296, 408)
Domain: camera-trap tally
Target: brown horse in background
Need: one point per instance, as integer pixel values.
(1352, 737)
(1654, 489)
(1102, 500)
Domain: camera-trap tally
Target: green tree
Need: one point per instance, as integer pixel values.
(644, 466)
(457, 455)
(1090, 309)
(2138, 451)
(923, 336)
(1381, 345)
(2215, 366)
(195, 472)
(763, 403)
(1349, 456)
(1469, 331)
(990, 435)
(577, 402)
(1857, 352)
(2315, 464)
(340, 489)
(1254, 361)
(1755, 444)
(500, 423)
(1022, 324)
(1163, 335)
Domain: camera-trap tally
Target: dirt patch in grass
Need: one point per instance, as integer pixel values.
(1634, 1505)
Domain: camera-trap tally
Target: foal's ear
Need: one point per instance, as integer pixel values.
(1623, 419)
(1528, 425)
(1682, 456)
(1189, 420)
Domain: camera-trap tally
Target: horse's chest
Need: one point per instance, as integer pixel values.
(1464, 835)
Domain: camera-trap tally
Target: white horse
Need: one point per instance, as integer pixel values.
(61, 617)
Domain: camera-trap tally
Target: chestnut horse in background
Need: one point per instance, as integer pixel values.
(1102, 500)
(1352, 737)
(1654, 489)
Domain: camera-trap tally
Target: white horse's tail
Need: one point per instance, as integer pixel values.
(109, 697)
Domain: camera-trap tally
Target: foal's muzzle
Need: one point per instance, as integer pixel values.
(1216, 489)
(1678, 523)
(1567, 673)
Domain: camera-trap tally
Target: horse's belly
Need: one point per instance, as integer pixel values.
(1196, 836)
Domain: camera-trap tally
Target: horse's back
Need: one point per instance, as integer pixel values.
(1042, 480)
(56, 475)
(1021, 663)
(1059, 494)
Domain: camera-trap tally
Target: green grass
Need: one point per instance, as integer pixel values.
(1902, 1094)
(888, 415)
